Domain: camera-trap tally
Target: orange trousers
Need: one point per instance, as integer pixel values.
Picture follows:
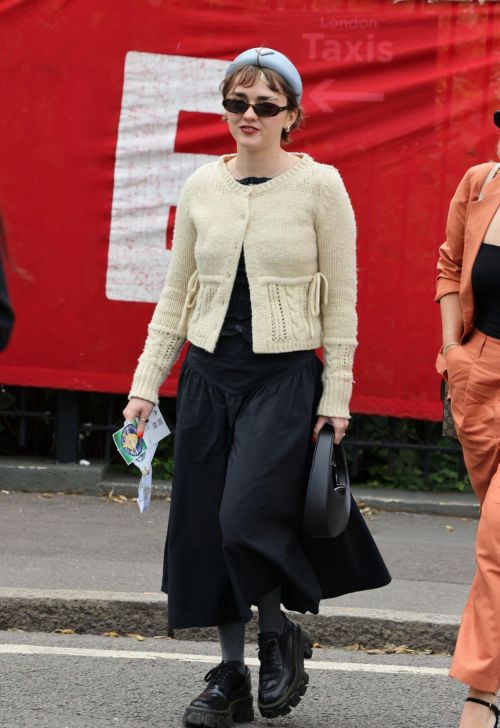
(474, 385)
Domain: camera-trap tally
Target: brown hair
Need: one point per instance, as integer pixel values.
(247, 75)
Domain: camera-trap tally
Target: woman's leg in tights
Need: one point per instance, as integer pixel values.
(270, 615)
(232, 634)
(232, 642)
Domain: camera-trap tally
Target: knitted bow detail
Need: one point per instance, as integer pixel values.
(314, 297)
(190, 300)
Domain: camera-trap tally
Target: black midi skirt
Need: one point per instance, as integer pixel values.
(242, 456)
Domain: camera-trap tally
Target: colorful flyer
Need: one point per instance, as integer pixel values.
(141, 450)
(128, 444)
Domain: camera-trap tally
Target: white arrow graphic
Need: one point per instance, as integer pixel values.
(323, 94)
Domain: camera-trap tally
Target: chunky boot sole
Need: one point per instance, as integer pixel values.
(290, 700)
(240, 711)
(292, 697)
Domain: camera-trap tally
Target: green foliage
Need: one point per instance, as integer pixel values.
(376, 465)
(163, 462)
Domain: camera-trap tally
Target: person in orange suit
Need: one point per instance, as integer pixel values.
(468, 291)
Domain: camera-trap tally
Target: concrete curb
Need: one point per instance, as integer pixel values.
(30, 475)
(33, 475)
(457, 505)
(38, 475)
(97, 612)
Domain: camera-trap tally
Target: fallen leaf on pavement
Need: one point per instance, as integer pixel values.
(6, 492)
(117, 498)
(138, 637)
(45, 495)
(65, 631)
(112, 633)
(404, 650)
(388, 650)
(317, 645)
(450, 528)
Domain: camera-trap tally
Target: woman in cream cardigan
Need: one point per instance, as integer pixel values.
(469, 297)
(262, 272)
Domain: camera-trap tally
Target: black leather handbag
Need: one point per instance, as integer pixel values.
(328, 497)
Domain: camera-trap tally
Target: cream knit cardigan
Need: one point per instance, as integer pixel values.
(299, 234)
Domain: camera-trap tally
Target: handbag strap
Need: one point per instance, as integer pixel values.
(490, 176)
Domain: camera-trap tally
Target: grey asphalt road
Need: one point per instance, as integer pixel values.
(77, 681)
(93, 543)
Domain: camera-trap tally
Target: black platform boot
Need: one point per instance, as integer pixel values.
(226, 699)
(282, 679)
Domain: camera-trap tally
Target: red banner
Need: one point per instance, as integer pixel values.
(107, 108)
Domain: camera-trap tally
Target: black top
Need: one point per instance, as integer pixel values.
(485, 284)
(238, 318)
(6, 313)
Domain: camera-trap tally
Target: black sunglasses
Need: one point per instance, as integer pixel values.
(261, 108)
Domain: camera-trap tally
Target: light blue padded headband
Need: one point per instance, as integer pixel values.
(269, 58)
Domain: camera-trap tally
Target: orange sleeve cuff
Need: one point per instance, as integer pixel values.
(444, 286)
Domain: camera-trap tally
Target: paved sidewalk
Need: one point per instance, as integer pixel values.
(93, 564)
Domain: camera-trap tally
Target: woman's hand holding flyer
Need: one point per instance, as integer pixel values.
(141, 450)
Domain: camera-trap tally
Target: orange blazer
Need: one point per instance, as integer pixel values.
(468, 220)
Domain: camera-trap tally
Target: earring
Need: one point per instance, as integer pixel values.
(287, 129)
